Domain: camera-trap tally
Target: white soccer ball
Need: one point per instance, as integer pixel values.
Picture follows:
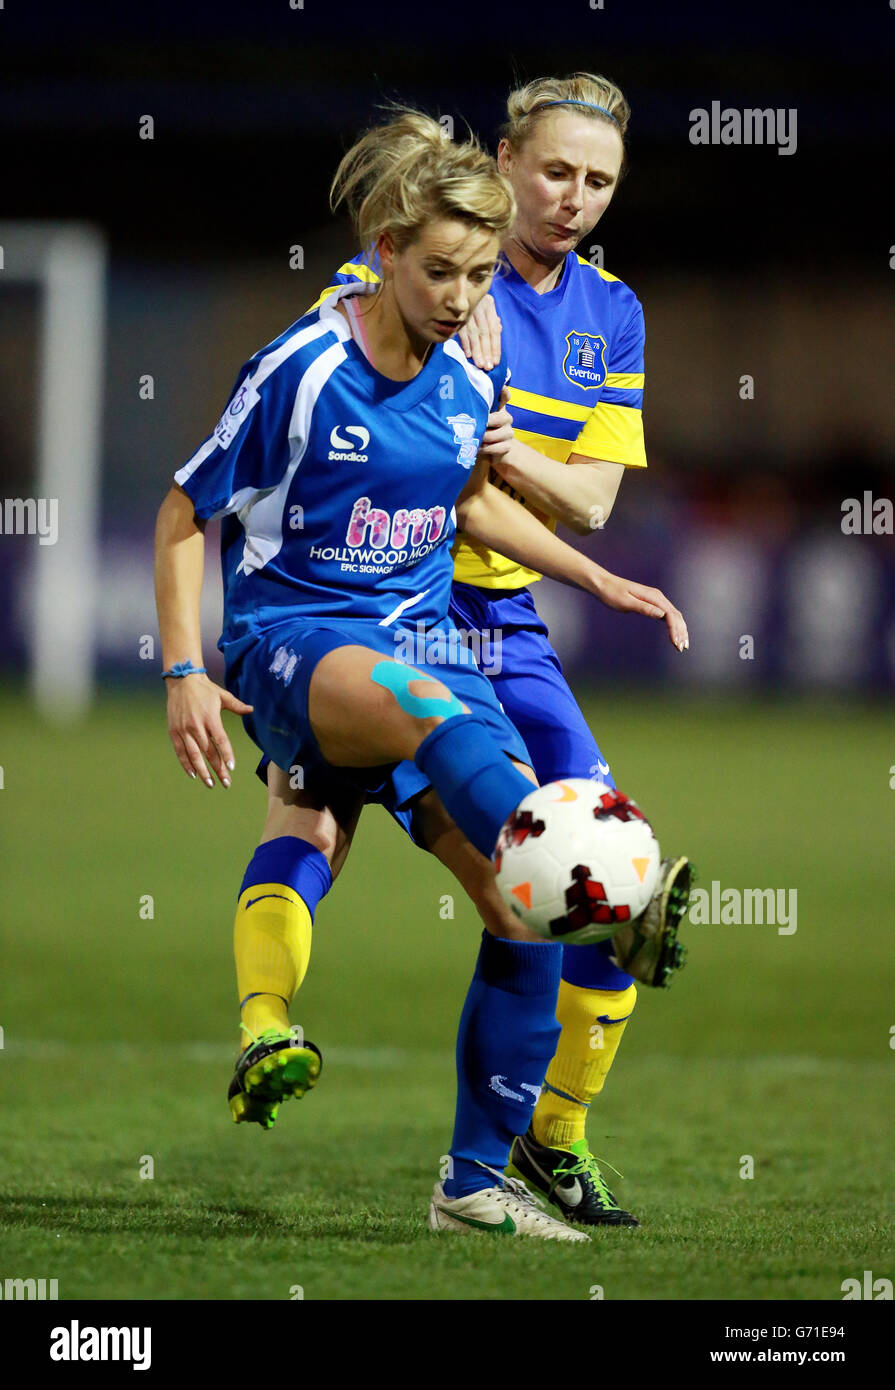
(576, 860)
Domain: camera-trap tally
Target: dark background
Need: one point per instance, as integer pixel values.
(254, 104)
(746, 261)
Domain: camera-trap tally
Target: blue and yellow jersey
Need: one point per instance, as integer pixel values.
(576, 361)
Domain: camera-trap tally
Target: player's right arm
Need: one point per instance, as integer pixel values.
(244, 458)
(194, 702)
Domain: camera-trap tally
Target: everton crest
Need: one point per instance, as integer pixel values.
(585, 360)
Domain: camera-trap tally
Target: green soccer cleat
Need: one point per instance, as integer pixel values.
(647, 947)
(570, 1180)
(272, 1068)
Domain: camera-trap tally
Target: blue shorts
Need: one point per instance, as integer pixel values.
(272, 670)
(527, 677)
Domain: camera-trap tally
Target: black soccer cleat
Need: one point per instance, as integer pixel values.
(570, 1179)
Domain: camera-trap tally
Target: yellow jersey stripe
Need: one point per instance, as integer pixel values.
(613, 433)
(565, 410)
(600, 446)
(558, 449)
(604, 274)
(355, 268)
(359, 271)
(548, 405)
(330, 289)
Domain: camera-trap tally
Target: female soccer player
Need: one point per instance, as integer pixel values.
(345, 454)
(573, 337)
(574, 343)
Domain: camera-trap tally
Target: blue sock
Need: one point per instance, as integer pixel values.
(473, 776)
(508, 1034)
(293, 862)
(590, 967)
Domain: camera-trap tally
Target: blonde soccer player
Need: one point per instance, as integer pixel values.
(342, 467)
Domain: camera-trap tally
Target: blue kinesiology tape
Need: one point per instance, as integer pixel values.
(397, 678)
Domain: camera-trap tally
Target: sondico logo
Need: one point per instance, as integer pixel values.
(344, 450)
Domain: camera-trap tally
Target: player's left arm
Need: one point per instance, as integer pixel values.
(496, 520)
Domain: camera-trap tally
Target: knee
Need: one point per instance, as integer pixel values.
(509, 928)
(432, 693)
(323, 835)
(498, 919)
(424, 701)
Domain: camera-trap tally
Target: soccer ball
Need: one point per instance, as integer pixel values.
(576, 860)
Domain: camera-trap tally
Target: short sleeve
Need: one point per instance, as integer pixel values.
(499, 376)
(614, 428)
(249, 450)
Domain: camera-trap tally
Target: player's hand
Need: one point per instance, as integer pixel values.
(480, 335)
(498, 436)
(196, 729)
(626, 596)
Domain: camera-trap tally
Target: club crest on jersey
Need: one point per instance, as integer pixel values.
(584, 362)
(464, 435)
(231, 420)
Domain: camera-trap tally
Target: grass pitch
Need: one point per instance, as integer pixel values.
(119, 1031)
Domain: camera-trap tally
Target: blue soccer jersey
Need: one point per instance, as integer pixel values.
(337, 485)
(576, 354)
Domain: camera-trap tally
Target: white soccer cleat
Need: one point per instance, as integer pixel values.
(506, 1210)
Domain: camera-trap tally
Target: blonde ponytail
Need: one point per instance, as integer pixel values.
(407, 172)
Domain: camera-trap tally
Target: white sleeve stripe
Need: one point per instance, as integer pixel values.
(265, 368)
(479, 379)
(186, 472)
(263, 518)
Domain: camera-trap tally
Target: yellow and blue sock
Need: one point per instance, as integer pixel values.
(284, 882)
(507, 1035)
(592, 1023)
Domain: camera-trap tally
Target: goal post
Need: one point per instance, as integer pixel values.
(66, 261)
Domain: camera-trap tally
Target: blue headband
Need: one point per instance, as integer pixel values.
(570, 101)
